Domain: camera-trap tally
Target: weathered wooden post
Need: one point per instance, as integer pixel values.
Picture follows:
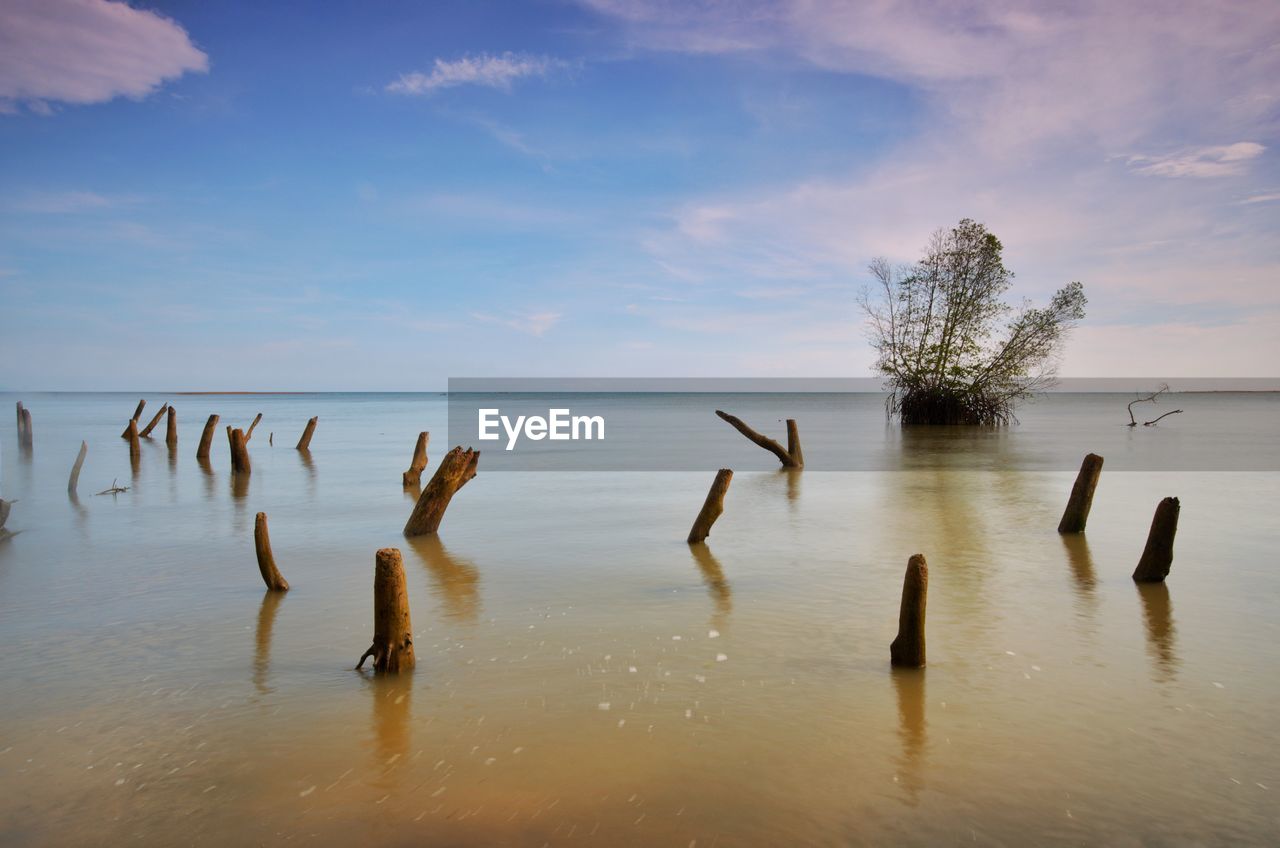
(239, 453)
(1157, 556)
(793, 443)
(249, 433)
(74, 480)
(712, 507)
(413, 477)
(19, 411)
(171, 428)
(135, 447)
(137, 413)
(305, 442)
(146, 432)
(457, 467)
(28, 432)
(790, 457)
(1076, 515)
(392, 648)
(266, 560)
(206, 438)
(908, 649)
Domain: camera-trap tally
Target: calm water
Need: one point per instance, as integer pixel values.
(585, 677)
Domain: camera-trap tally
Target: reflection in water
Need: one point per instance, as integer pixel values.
(717, 585)
(412, 492)
(1158, 610)
(793, 482)
(239, 485)
(262, 639)
(457, 581)
(1077, 547)
(310, 467)
(391, 695)
(909, 683)
(206, 469)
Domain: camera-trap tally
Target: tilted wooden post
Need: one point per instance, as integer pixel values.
(785, 456)
(392, 648)
(266, 560)
(908, 649)
(146, 431)
(206, 438)
(1157, 556)
(171, 428)
(1076, 515)
(413, 476)
(793, 443)
(711, 507)
(135, 447)
(137, 413)
(28, 432)
(248, 434)
(239, 453)
(305, 442)
(74, 480)
(457, 467)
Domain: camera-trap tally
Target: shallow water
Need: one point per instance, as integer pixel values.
(584, 676)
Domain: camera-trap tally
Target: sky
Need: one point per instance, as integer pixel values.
(383, 195)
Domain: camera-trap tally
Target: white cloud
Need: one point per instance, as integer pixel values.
(1225, 160)
(87, 51)
(483, 70)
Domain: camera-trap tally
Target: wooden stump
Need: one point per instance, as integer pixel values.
(712, 507)
(28, 432)
(171, 428)
(206, 438)
(239, 453)
(146, 431)
(908, 649)
(305, 442)
(392, 648)
(137, 413)
(74, 480)
(793, 443)
(266, 560)
(135, 447)
(1076, 515)
(413, 477)
(457, 467)
(785, 456)
(19, 411)
(248, 434)
(1157, 556)
(5, 506)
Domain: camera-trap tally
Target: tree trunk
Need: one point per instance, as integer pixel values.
(392, 648)
(1076, 515)
(266, 560)
(137, 413)
(248, 434)
(206, 438)
(1157, 556)
(908, 649)
(413, 477)
(135, 447)
(457, 467)
(171, 428)
(239, 453)
(793, 443)
(75, 470)
(19, 411)
(305, 442)
(784, 456)
(28, 432)
(711, 507)
(146, 431)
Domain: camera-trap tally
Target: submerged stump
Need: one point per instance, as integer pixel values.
(248, 434)
(908, 649)
(74, 480)
(137, 413)
(206, 438)
(305, 442)
(155, 419)
(457, 467)
(712, 507)
(1157, 556)
(790, 456)
(239, 453)
(135, 447)
(392, 648)
(413, 477)
(266, 560)
(171, 428)
(27, 436)
(1076, 515)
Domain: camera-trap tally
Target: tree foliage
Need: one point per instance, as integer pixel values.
(953, 351)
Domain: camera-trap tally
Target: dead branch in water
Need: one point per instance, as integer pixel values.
(413, 477)
(1153, 421)
(137, 413)
(74, 479)
(266, 560)
(453, 472)
(114, 490)
(1151, 398)
(146, 431)
(248, 434)
(304, 443)
(712, 507)
(790, 456)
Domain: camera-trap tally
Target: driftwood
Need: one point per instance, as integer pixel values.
(114, 490)
(28, 432)
(271, 438)
(413, 477)
(74, 480)
(908, 649)
(206, 438)
(146, 431)
(305, 442)
(171, 428)
(266, 560)
(135, 447)
(457, 467)
(1156, 420)
(137, 413)
(712, 507)
(239, 453)
(1157, 556)
(1151, 398)
(790, 456)
(392, 648)
(1076, 515)
(248, 434)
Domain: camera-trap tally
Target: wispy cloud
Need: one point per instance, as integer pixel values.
(1224, 160)
(62, 202)
(535, 323)
(484, 70)
(87, 51)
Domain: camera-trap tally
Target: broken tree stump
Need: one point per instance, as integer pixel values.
(206, 438)
(28, 432)
(908, 649)
(171, 428)
(74, 480)
(784, 455)
(413, 477)
(1076, 515)
(457, 467)
(135, 447)
(1157, 556)
(146, 431)
(392, 648)
(19, 411)
(248, 434)
(239, 453)
(711, 507)
(266, 560)
(137, 413)
(305, 442)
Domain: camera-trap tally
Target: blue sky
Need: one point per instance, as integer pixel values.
(383, 195)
